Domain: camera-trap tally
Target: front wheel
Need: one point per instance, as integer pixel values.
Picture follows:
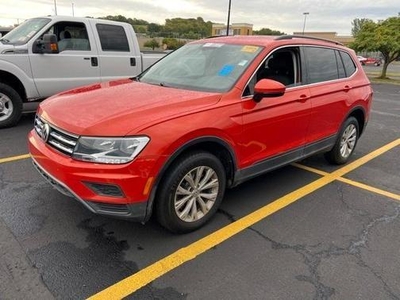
(10, 106)
(345, 144)
(191, 192)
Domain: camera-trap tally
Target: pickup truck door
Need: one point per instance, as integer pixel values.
(119, 53)
(75, 65)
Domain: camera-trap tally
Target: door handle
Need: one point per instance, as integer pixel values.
(347, 88)
(133, 61)
(94, 61)
(303, 98)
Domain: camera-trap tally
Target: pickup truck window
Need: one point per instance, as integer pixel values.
(24, 32)
(112, 38)
(71, 36)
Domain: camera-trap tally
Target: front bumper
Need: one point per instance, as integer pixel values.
(71, 178)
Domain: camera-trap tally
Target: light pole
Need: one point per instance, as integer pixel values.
(73, 13)
(305, 19)
(229, 18)
(55, 7)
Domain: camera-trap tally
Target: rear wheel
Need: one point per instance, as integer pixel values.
(191, 192)
(345, 143)
(10, 106)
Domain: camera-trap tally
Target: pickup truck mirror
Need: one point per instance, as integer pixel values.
(267, 88)
(47, 45)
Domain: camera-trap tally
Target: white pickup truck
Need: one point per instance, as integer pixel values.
(47, 55)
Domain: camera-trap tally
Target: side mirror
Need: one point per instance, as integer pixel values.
(47, 45)
(267, 88)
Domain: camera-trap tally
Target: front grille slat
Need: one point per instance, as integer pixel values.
(56, 138)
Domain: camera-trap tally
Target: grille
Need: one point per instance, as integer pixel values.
(56, 138)
(53, 182)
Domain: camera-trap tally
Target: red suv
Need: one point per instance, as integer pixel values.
(207, 117)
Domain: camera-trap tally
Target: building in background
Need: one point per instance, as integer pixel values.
(234, 29)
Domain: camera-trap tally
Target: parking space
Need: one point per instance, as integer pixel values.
(309, 230)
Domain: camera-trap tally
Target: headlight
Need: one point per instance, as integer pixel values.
(109, 150)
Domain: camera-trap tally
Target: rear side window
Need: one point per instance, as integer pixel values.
(341, 71)
(112, 38)
(349, 65)
(321, 63)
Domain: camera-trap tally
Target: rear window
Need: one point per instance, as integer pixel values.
(112, 38)
(349, 65)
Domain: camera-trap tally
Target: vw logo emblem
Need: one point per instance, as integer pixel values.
(46, 132)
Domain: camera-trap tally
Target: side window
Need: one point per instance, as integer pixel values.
(71, 36)
(112, 38)
(340, 66)
(283, 65)
(349, 65)
(321, 64)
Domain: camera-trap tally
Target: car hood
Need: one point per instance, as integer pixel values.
(120, 107)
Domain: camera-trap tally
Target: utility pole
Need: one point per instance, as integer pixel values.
(73, 13)
(55, 7)
(229, 18)
(305, 18)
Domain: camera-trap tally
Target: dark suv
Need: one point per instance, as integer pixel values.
(207, 117)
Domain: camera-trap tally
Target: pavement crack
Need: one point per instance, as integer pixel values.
(313, 256)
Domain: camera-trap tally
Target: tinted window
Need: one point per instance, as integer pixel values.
(112, 38)
(348, 63)
(341, 72)
(321, 64)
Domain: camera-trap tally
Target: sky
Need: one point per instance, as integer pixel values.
(283, 15)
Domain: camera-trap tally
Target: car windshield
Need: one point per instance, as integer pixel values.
(211, 67)
(24, 32)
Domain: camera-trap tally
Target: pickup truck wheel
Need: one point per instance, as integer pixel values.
(10, 106)
(191, 192)
(345, 144)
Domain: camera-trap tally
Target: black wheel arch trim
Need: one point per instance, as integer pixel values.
(361, 126)
(179, 151)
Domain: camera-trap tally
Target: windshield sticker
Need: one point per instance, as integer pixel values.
(250, 49)
(213, 45)
(226, 70)
(242, 63)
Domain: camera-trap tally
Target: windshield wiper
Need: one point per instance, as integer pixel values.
(4, 41)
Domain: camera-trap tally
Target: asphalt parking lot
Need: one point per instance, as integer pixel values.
(306, 231)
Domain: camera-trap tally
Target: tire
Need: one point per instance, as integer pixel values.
(201, 180)
(10, 106)
(346, 142)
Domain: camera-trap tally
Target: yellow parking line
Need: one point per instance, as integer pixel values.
(143, 277)
(370, 188)
(14, 158)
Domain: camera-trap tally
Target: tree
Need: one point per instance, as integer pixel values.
(267, 31)
(172, 43)
(358, 24)
(383, 37)
(152, 44)
(180, 26)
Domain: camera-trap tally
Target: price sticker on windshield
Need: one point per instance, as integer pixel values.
(250, 49)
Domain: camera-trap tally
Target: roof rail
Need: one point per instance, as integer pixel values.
(288, 37)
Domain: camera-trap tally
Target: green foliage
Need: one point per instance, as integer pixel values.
(383, 37)
(121, 18)
(152, 44)
(267, 31)
(173, 43)
(196, 27)
(357, 24)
